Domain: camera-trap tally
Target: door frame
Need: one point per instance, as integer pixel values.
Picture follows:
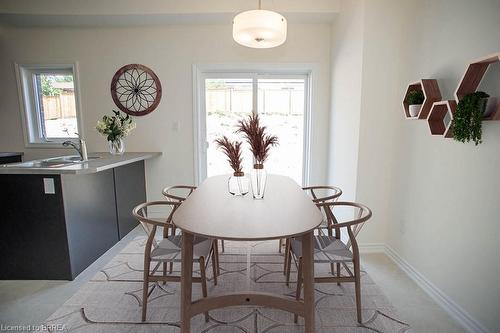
(202, 71)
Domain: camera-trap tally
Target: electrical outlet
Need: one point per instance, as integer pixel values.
(402, 226)
(48, 186)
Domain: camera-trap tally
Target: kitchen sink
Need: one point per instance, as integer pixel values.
(71, 159)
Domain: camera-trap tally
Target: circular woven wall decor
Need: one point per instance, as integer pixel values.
(136, 90)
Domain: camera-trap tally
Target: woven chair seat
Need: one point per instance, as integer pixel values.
(169, 249)
(326, 249)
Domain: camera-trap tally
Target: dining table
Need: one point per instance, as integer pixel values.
(212, 212)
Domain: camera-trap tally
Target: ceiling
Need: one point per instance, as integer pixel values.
(151, 12)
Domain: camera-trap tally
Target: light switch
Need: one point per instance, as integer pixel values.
(48, 186)
(176, 126)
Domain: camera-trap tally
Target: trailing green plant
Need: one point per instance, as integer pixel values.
(415, 97)
(467, 120)
(115, 127)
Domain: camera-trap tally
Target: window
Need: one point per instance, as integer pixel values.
(282, 101)
(50, 104)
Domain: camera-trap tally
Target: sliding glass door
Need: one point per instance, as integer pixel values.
(282, 104)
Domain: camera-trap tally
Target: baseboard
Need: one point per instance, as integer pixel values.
(371, 247)
(452, 308)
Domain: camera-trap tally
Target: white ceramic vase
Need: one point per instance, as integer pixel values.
(490, 105)
(414, 109)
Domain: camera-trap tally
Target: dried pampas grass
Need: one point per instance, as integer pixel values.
(233, 153)
(260, 142)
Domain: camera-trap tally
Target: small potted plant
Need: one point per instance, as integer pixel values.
(415, 98)
(260, 144)
(468, 117)
(238, 183)
(490, 105)
(115, 128)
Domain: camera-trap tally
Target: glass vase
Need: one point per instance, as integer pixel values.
(259, 177)
(116, 147)
(238, 184)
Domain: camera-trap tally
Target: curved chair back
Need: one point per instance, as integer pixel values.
(323, 193)
(353, 220)
(150, 223)
(178, 193)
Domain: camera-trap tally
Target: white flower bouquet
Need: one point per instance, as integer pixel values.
(115, 127)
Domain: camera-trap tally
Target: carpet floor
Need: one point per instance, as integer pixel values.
(111, 301)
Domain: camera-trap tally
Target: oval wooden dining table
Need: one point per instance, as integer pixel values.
(211, 211)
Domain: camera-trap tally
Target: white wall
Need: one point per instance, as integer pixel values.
(386, 49)
(445, 194)
(170, 51)
(435, 201)
(347, 53)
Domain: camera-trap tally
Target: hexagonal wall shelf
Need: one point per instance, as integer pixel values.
(432, 94)
(472, 78)
(440, 118)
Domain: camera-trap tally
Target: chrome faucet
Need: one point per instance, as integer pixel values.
(81, 147)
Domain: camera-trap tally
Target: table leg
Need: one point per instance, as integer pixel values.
(186, 281)
(308, 276)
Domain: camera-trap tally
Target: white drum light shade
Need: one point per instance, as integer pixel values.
(259, 29)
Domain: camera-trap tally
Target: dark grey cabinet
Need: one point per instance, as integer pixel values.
(130, 190)
(56, 235)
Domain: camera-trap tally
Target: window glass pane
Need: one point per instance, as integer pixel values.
(281, 106)
(227, 101)
(56, 105)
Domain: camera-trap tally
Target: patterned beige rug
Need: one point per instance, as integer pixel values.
(111, 301)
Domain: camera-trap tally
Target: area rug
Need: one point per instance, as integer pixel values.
(111, 300)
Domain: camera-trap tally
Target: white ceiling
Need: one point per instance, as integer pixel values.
(146, 12)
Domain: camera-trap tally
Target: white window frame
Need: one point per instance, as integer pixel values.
(254, 71)
(33, 137)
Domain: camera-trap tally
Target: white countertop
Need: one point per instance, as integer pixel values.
(104, 162)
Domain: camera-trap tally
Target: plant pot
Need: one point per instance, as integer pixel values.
(414, 109)
(116, 147)
(259, 178)
(238, 184)
(488, 106)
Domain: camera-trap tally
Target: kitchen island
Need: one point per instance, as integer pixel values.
(58, 218)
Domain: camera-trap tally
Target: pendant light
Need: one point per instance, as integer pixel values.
(260, 29)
